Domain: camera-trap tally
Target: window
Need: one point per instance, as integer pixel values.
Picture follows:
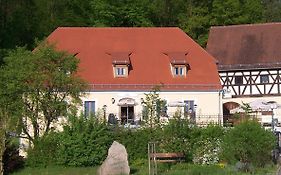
(238, 80)
(189, 110)
(121, 71)
(189, 106)
(264, 79)
(89, 108)
(179, 70)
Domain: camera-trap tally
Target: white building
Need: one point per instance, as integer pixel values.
(122, 64)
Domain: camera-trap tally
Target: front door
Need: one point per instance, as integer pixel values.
(127, 114)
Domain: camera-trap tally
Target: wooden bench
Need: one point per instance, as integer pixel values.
(167, 157)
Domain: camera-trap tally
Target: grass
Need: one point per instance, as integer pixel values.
(58, 171)
(163, 169)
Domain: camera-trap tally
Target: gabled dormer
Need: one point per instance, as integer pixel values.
(178, 63)
(121, 64)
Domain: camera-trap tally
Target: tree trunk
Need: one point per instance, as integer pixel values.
(2, 150)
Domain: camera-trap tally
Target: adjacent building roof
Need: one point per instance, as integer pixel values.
(147, 50)
(249, 46)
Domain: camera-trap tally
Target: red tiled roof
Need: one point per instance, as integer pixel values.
(246, 46)
(148, 63)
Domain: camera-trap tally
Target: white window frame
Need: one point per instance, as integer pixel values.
(179, 70)
(117, 71)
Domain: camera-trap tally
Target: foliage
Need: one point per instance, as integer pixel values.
(153, 107)
(207, 152)
(57, 170)
(132, 13)
(248, 142)
(9, 120)
(43, 85)
(44, 151)
(208, 146)
(135, 141)
(141, 169)
(178, 136)
(84, 142)
(22, 22)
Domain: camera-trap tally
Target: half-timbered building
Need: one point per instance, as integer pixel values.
(249, 62)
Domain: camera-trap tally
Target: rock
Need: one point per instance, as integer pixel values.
(116, 162)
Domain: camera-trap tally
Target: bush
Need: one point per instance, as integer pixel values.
(248, 143)
(207, 152)
(179, 136)
(208, 146)
(84, 142)
(136, 141)
(44, 152)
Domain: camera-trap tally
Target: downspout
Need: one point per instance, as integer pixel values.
(221, 92)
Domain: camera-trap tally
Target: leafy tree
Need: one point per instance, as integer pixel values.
(153, 107)
(167, 12)
(272, 10)
(8, 114)
(46, 85)
(124, 13)
(204, 14)
(5, 125)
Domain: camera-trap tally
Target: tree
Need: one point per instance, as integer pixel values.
(125, 13)
(201, 15)
(153, 107)
(8, 115)
(5, 126)
(46, 85)
(272, 10)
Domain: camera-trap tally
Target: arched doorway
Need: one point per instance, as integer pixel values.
(127, 110)
(227, 116)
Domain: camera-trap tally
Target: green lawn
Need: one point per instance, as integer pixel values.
(58, 171)
(163, 169)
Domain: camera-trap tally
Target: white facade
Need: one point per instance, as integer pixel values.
(206, 105)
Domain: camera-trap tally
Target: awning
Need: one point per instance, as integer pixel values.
(258, 105)
(121, 58)
(177, 104)
(127, 102)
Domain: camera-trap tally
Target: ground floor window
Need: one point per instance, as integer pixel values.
(89, 108)
(127, 114)
(189, 109)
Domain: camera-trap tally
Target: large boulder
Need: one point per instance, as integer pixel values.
(116, 162)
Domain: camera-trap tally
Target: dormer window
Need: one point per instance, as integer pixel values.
(121, 64)
(179, 64)
(120, 71)
(179, 70)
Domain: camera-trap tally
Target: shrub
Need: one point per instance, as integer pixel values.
(84, 142)
(207, 152)
(248, 143)
(208, 146)
(44, 152)
(136, 141)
